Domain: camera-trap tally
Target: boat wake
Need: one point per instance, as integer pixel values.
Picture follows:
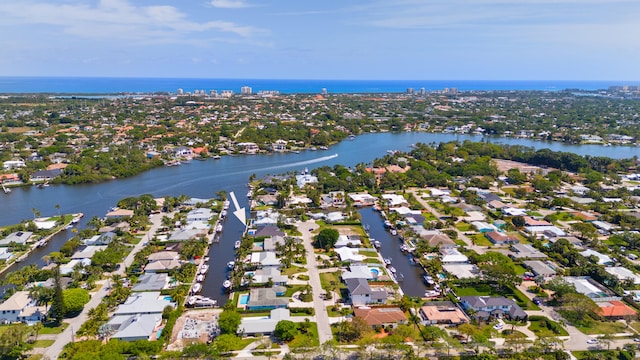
(300, 163)
(247, 171)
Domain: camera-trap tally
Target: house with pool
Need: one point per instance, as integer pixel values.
(264, 299)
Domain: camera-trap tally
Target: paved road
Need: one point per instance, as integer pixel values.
(322, 318)
(67, 336)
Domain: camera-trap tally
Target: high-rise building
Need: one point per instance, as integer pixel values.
(324, 91)
(409, 90)
(180, 91)
(423, 91)
(246, 90)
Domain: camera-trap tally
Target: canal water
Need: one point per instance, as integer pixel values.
(231, 173)
(412, 285)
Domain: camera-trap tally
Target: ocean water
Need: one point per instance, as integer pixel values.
(104, 85)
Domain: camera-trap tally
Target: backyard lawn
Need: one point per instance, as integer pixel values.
(486, 290)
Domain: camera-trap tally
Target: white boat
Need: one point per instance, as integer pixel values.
(387, 261)
(219, 228)
(392, 269)
(223, 214)
(250, 193)
(206, 258)
(196, 288)
(204, 269)
(201, 301)
(404, 247)
(217, 157)
(377, 244)
(226, 204)
(68, 227)
(237, 244)
(394, 232)
(200, 278)
(41, 243)
(192, 300)
(323, 148)
(231, 265)
(387, 223)
(226, 284)
(75, 220)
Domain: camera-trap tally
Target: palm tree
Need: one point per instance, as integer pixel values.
(36, 213)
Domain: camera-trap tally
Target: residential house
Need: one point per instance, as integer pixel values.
(119, 213)
(265, 258)
(21, 308)
(525, 251)
(487, 307)
(135, 327)
(362, 272)
(348, 240)
(101, 239)
(45, 175)
(592, 289)
(151, 302)
(499, 238)
(18, 237)
(623, 274)
(602, 259)
(362, 199)
(269, 273)
(151, 282)
(251, 326)
(442, 312)
(349, 254)
(436, 238)
(161, 266)
(267, 298)
(616, 310)
(541, 268)
(163, 255)
(394, 200)
(186, 234)
(451, 255)
(269, 230)
(484, 227)
(362, 294)
(387, 317)
(199, 214)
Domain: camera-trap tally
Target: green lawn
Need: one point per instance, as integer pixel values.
(293, 270)
(48, 330)
(306, 340)
(368, 253)
(602, 327)
(291, 290)
(330, 281)
(429, 216)
(463, 226)
(546, 327)
(480, 239)
(43, 343)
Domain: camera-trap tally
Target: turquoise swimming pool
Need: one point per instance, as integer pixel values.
(243, 299)
(375, 272)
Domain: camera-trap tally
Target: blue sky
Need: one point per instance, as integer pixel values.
(330, 39)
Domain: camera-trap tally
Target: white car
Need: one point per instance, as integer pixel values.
(592, 341)
(498, 326)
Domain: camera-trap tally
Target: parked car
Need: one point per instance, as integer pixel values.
(592, 341)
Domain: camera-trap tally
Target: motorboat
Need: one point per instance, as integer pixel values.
(223, 214)
(219, 228)
(392, 269)
(377, 244)
(201, 301)
(205, 259)
(200, 278)
(394, 232)
(204, 269)
(196, 288)
(226, 204)
(404, 247)
(226, 284)
(387, 261)
(237, 244)
(387, 223)
(231, 265)
(250, 193)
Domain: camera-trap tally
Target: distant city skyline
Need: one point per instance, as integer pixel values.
(357, 39)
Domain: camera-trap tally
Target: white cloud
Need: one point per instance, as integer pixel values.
(117, 19)
(229, 4)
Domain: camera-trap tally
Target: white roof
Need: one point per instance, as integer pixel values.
(602, 258)
(349, 254)
(144, 303)
(394, 199)
(343, 240)
(481, 225)
(461, 271)
(403, 210)
(358, 272)
(623, 273)
(452, 255)
(511, 211)
(88, 252)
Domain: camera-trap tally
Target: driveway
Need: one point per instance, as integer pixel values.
(68, 335)
(322, 318)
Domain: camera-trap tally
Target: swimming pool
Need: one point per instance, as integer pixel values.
(244, 299)
(375, 272)
(168, 298)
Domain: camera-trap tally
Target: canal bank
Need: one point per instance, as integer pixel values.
(204, 178)
(412, 284)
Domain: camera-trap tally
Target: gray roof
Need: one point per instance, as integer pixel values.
(185, 234)
(479, 302)
(19, 237)
(134, 327)
(540, 267)
(151, 282)
(260, 325)
(143, 303)
(269, 230)
(358, 286)
(266, 297)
